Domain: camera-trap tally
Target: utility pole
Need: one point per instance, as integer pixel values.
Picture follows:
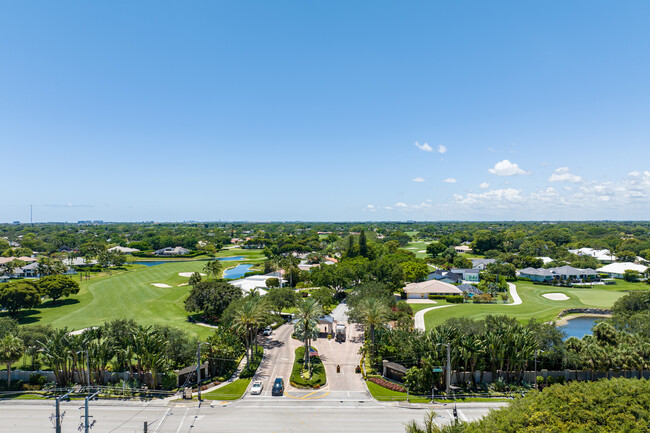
(145, 427)
(86, 424)
(198, 369)
(448, 369)
(536, 387)
(57, 415)
(87, 369)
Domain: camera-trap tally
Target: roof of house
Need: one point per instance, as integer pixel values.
(462, 247)
(620, 268)
(432, 286)
(125, 250)
(476, 262)
(465, 271)
(562, 270)
(470, 289)
(597, 254)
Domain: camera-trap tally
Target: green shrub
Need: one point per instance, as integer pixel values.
(455, 299)
(318, 377)
(37, 379)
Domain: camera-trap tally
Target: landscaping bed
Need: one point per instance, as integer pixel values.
(318, 377)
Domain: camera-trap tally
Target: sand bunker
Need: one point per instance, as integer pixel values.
(161, 285)
(188, 274)
(556, 296)
(184, 284)
(422, 251)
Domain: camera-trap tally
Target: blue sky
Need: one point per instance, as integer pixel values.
(337, 110)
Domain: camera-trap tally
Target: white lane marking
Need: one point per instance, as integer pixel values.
(182, 420)
(162, 421)
(461, 415)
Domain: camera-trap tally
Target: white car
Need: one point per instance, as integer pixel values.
(256, 388)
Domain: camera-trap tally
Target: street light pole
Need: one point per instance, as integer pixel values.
(448, 368)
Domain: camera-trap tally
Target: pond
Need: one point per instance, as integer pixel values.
(237, 272)
(580, 326)
(162, 262)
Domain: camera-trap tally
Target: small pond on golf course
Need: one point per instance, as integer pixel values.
(236, 272)
(580, 326)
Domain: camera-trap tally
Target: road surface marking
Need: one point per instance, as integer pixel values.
(162, 421)
(182, 420)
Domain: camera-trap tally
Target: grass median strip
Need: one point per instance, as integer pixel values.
(232, 391)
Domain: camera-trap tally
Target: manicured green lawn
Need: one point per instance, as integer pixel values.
(130, 295)
(384, 394)
(415, 247)
(232, 391)
(533, 306)
(418, 307)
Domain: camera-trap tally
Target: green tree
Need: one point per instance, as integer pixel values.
(57, 286)
(11, 349)
(211, 297)
(195, 278)
(363, 244)
(309, 310)
(373, 312)
(248, 316)
(414, 271)
(435, 248)
(213, 269)
(16, 296)
(279, 299)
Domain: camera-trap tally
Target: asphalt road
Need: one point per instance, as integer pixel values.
(324, 415)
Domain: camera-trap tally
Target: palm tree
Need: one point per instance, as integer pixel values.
(309, 310)
(373, 312)
(247, 319)
(195, 278)
(213, 269)
(11, 349)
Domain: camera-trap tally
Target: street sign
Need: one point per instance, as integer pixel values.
(437, 369)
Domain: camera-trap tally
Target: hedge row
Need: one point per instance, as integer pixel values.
(318, 377)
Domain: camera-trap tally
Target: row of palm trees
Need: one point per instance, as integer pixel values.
(83, 358)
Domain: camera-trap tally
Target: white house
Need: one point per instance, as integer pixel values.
(169, 251)
(432, 287)
(125, 250)
(617, 270)
(462, 249)
(604, 256)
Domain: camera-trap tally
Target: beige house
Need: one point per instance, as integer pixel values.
(462, 249)
(432, 287)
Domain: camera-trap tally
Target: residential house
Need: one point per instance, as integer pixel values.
(462, 249)
(470, 290)
(604, 256)
(567, 273)
(482, 263)
(432, 287)
(445, 277)
(125, 250)
(169, 251)
(617, 270)
(467, 274)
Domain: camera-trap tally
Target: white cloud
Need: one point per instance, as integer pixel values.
(496, 197)
(424, 146)
(441, 148)
(484, 185)
(417, 179)
(400, 205)
(507, 168)
(562, 175)
(450, 180)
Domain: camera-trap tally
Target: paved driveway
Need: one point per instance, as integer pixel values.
(278, 357)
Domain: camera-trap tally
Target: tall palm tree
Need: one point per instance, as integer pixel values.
(213, 269)
(373, 312)
(11, 349)
(247, 319)
(309, 310)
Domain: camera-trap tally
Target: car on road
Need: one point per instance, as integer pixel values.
(256, 389)
(278, 386)
(267, 331)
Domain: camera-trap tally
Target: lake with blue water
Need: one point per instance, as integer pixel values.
(162, 262)
(580, 326)
(237, 272)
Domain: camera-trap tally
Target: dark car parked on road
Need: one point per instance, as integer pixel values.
(278, 387)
